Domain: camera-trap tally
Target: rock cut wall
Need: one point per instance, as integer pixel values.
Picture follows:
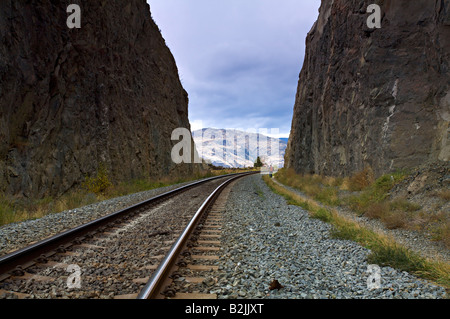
(373, 97)
(72, 100)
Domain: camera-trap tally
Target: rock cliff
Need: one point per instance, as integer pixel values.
(72, 100)
(373, 97)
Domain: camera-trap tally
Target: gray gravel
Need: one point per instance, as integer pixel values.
(266, 239)
(18, 235)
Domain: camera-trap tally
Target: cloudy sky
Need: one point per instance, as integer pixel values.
(238, 60)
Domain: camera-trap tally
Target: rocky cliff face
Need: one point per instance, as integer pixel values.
(72, 100)
(373, 97)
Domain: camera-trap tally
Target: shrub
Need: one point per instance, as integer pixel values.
(375, 193)
(441, 229)
(258, 163)
(337, 182)
(404, 205)
(361, 180)
(377, 210)
(395, 219)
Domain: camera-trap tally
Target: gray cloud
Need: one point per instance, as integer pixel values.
(238, 60)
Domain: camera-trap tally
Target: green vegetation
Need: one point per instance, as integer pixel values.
(94, 189)
(374, 193)
(319, 188)
(98, 184)
(384, 250)
(323, 214)
(368, 197)
(444, 194)
(6, 211)
(259, 191)
(365, 195)
(361, 180)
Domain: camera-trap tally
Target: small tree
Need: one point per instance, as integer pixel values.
(98, 184)
(258, 163)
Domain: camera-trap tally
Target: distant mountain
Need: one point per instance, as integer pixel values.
(234, 148)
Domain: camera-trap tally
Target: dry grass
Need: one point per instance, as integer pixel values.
(323, 189)
(394, 220)
(95, 189)
(373, 200)
(18, 210)
(375, 193)
(345, 185)
(377, 210)
(399, 213)
(361, 180)
(442, 233)
(444, 194)
(438, 225)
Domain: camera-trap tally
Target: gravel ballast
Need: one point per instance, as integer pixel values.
(264, 239)
(117, 261)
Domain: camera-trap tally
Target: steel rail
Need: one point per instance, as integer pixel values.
(29, 254)
(155, 284)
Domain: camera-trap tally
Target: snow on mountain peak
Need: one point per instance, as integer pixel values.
(235, 148)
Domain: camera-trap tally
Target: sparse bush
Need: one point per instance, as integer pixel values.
(404, 205)
(443, 233)
(328, 196)
(387, 181)
(395, 219)
(440, 229)
(377, 210)
(6, 211)
(361, 180)
(312, 190)
(337, 182)
(393, 214)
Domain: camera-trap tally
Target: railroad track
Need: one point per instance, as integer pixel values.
(193, 256)
(114, 256)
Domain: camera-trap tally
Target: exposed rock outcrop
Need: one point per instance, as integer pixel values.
(72, 100)
(373, 97)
